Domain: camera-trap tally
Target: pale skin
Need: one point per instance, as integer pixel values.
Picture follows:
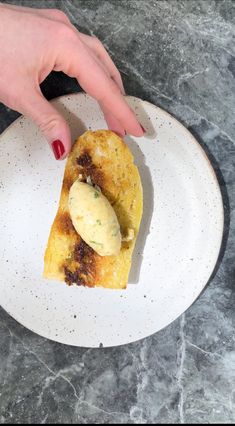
(35, 42)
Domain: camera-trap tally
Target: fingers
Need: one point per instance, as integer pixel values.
(50, 122)
(98, 48)
(102, 57)
(112, 122)
(86, 59)
(111, 100)
(97, 83)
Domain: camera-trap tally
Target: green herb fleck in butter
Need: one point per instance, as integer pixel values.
(95, 242)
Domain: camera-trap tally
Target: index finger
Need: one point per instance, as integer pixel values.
(76, 61)
(96, 45)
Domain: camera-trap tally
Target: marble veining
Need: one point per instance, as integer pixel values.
(179, 55)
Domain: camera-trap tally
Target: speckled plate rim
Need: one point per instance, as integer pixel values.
(222, 219)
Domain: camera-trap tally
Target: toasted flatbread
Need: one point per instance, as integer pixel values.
(102, 158)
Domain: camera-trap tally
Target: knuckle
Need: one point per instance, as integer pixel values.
(98, 44)
(59, 15)
(47, 124)
(65, 32)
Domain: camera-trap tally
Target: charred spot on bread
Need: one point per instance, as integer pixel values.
(97, 177)
(89, 170)
(84, 160)
(65, 225)
(82, 251)
(80, 268)
(72, 277)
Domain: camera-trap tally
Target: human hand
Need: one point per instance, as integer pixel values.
(35, 42)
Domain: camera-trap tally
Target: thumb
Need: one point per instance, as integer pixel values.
(52, 125)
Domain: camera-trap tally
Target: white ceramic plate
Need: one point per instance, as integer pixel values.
(177, 249)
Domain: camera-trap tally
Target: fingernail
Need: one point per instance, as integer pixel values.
(58, 149)
(143, 128)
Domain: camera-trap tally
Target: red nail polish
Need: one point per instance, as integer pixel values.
(143, 128)
(58, 149)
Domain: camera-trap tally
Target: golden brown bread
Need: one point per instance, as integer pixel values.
(105, 159)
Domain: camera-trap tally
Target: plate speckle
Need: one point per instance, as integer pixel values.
(177, 248)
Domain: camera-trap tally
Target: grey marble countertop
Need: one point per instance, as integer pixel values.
(179, 55)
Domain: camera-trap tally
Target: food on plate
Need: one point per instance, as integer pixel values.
(94, 233)
(94, 219)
